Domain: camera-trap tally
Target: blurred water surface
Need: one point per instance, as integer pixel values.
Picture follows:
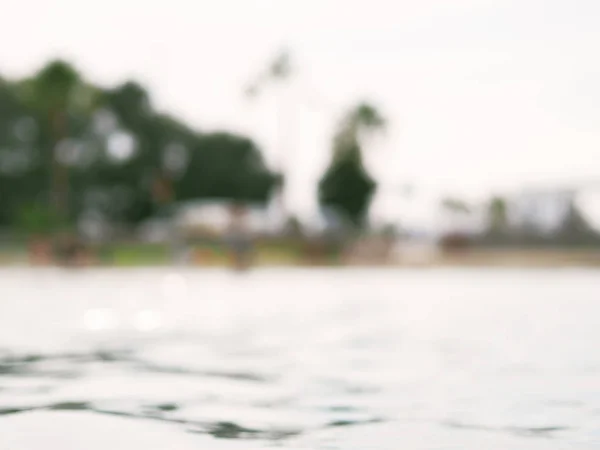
(298, 359)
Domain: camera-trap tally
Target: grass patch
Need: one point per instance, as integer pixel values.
(136, 255)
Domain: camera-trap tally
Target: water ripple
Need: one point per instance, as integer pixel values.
(313, 371)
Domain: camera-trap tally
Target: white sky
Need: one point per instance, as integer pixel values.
(481, 95)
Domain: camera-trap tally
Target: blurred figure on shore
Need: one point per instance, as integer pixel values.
(238, 238)
(40, 251)
(70, 251)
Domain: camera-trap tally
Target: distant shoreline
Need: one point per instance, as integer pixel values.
(526, 258)
(511, 258)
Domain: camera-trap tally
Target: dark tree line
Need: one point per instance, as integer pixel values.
(69, 148)
(572, 231)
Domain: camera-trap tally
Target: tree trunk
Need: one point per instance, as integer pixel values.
(60, 175)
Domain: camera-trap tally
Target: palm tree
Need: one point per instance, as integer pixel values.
(362, 121)
(498, 215)
(346, 185)
(280, 69)
(52, 93)
(278, 72)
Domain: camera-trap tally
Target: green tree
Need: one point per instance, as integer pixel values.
(498, 215)
(62, 103)
(575, 229)
(21, 175)
(226, 166)
(346, 185)
(111, 147)
(50, 92)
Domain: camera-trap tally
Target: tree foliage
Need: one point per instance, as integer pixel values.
(346, 185)
(110, 149)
